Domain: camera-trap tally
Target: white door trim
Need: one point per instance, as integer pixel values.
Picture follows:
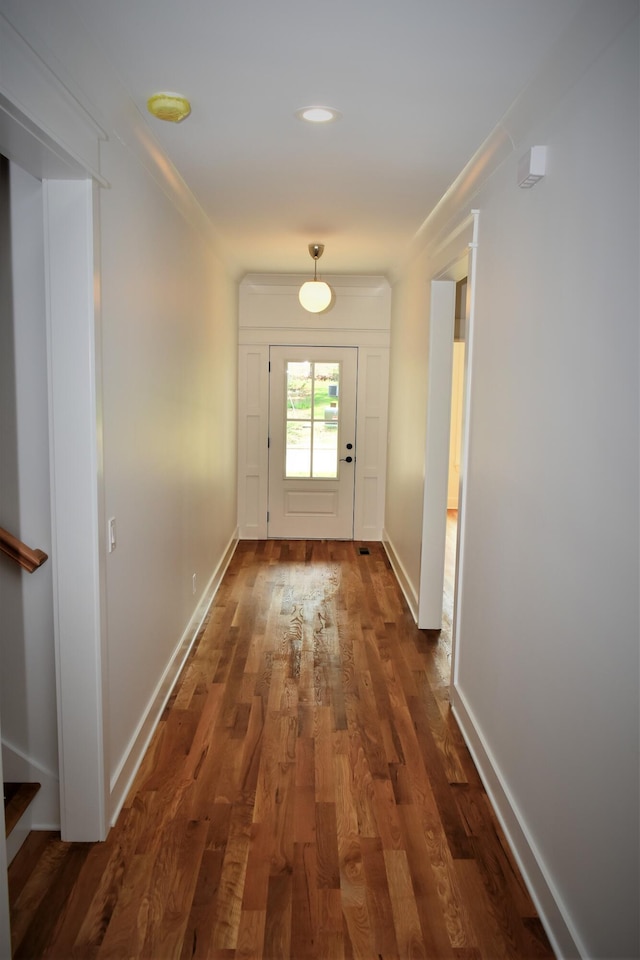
(466, 440)
(76, 507)
(432, 563)
(436, 474)
(75, 445)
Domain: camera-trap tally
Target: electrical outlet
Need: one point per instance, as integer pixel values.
(193, 584)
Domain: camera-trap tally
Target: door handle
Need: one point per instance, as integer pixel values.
(346, 459)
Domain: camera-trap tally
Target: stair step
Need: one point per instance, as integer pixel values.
(17, 797)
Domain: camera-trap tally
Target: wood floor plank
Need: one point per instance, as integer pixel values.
(35, 889)
(490, 847)
(323, 738)
(328, 858)
(366, 718)
(445, 800)
(379, 902)
(201, 921)
(357, 920)
(445, 908)
(31, 853)
(228, 903)
(277, 934)
(403, 904)
(495, 938)
(171, 893)
(127, 928)
(32, 941)
(307, 794)
(256, 888)
(386, 814)
(251, 934)
(305, 903)
(91, 902)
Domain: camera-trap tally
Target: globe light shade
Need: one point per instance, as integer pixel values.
(315, 295)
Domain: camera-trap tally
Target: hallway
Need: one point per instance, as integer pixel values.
(306, 795)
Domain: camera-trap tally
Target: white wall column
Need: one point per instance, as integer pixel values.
(75, 481)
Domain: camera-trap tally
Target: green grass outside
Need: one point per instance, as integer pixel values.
(321, 400)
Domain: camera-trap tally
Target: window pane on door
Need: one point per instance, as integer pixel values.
(299, 390)
(312, 420)
(326, 378)
(298, 450)
(325, 450)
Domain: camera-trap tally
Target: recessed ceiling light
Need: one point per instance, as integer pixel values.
(169, 106)
(317, 114)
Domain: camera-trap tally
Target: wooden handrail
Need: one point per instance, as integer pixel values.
(20, 552)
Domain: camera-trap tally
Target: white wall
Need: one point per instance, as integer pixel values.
(169, 373)
(409, 356)
(546, 685)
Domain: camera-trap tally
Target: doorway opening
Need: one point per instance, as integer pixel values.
(455, 448)
(451, 322)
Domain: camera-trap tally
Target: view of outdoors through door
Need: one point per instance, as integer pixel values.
(312, 410)
(312, 419)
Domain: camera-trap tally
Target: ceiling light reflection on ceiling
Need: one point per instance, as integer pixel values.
(317, 114)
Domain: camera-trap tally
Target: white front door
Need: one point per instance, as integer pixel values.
(312, 442)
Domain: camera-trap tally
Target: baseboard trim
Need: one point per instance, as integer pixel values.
(124, 775)
(402, 577)
(564, 939)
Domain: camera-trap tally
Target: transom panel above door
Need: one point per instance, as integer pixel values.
(312, 441)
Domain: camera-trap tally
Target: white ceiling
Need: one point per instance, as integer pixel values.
(419, 83)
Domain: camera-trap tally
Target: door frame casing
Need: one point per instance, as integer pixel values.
(434, 513)
(460, 250)
(270, 315)
(46, 131)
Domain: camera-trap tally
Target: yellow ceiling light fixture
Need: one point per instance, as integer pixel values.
(315, 295)
(169, 106)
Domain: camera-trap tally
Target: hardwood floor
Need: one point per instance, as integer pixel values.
(306, 795)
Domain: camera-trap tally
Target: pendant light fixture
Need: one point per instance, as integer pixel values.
(315, 295)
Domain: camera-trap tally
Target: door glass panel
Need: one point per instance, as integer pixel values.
(325, 450)
(298, 449)
(312, 420)
(299, 390)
